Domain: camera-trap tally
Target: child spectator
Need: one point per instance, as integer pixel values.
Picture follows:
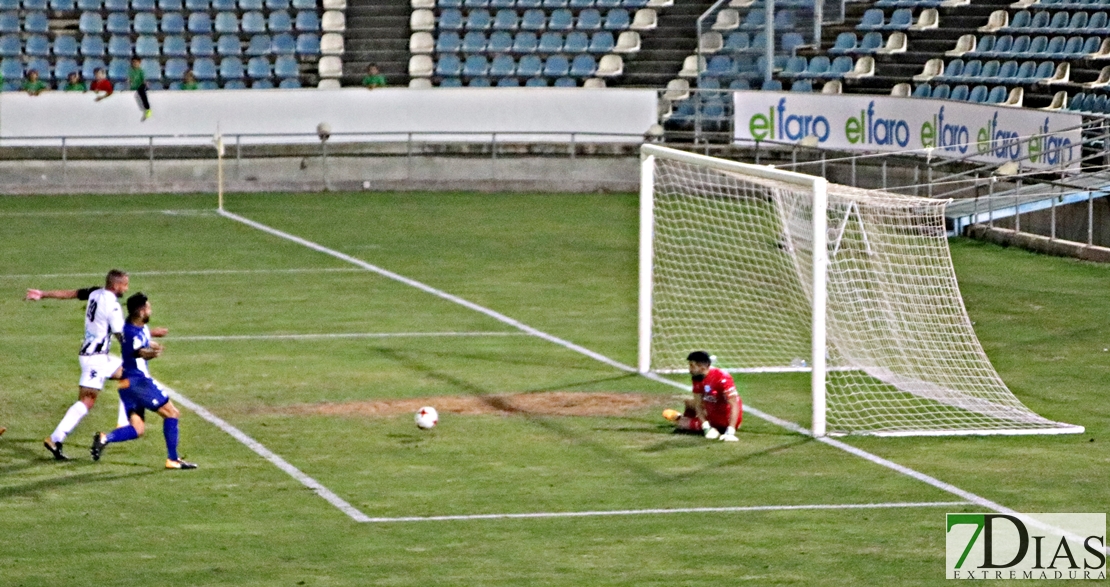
(137, 78)
(74, 83)
(101, 85)
(190, 82)
(374, 78)
(34, 86)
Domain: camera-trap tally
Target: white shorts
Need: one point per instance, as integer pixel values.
(96, 368)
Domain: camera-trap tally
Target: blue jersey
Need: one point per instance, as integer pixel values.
(135, 338)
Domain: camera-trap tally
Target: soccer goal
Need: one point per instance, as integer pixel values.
(774, 271)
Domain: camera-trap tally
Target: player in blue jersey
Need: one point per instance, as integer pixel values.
(138, 390)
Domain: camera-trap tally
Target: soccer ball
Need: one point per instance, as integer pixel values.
(427, 418)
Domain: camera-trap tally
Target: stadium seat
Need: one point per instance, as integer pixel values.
(737, 42)
(152, 69)
(254, 23)
(277, 4)
(952, 71)
(445, 4)
(231, 68)
(65, 66)
(144, 5)
(845, 43)
(64, 46)
(525, 42)
(627, 42)
(305, 4)
(583, 66)
(565, 82)
(258, 68)
(817, 67)
(448, 66)
(499, 4)
(577, 42)
(200, 23)
(11, 68)
(224, 5)
(227, 22)
(873, 19)
(556, 66)
(795, 66)
(117, 68)
(561, 20)
(476, 66)
(645, 19)
(479, 82)
(198, 5)
(262, 84)
(1076, 103)
(528, 4)
(41, 65)
(533, 20)
(119, 46)
(147, 46)
(145, 23)
(791, 41)
(229, 46)
(202, 46)
(941, 92)
(281, 22)
(259, 45)
(90, 5)
(88, 67)
(37, 46)
(235, 84)
(118, 24)
(174, 47)
(755, 20)
(335, 5)
(508, 82)
(63, 5)
(602, 42)
(580, 4)
(89, 23)
(290, 84)
(719, 65)
(502, 66)
(448, 42)
(536, 82)
(978, 94)
(900, 20)
(589, 20)
(960, 93)
(10, 46)
(307, 21)
(116, 5)
(997, 95)
(530, 66)
(772, 85)
(506, 20)
(617, 19)
(173, 23)
(176, 68)
(450, 82)
(286, 66)
(474, 42)
(249, 5)
(304, 44)
(551, 43)
(802, 85)
(500, 42)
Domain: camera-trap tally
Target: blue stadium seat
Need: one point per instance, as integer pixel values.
(10, 46)
(506, 20)
(978, 94)
(589, 20)
(1008, 46)
(450, 82)
(225, 5)
(9, 4)
(1078, 22)
(476, 20)
(871, 42)
(960, 93)
(561, 20)
(952, 71)
(474, 42)
(198, 5)
(227, 22)
(533, 20)
(739, 84)
(1025, 72)
(528, 4)
(63, 5)
(900, 20)
(525, 42)
(1076, 102)
(1055, 46)
(290, 84)
(64, 46)
(475, 3)
(556, 66)
(254, 23)
(262, 84)
(502, 66)
(147, 46)
(708, 83)
(277, 4)
(529, 66)
(171, 5)
(448, 66)
(93, 5)
(941, 92)
(577, 42)
(617, 19)
(719, 65)
(448, 42)
(200, 23)
(553, 4)
(845, 43)
(116, 5)
(840, 66)
(508, 82)
(229, 46)
(602, 42)
(35, 22)
(234, 84)
(1020, 21)
(872, 20)
(1072, 50)
(1058, 24)
(173, 23)
(997, 95)
(551, 43)
(280, 22)
(500, 42)
(784, 20)
(584, 65)
(990, 69)
(1097, 24)
(308, 43)
(755, 20)
(248, 5)
(11, 69)
(499, 4)
(772, 85)
(802, 85)
(478, 82)
(65, 66)
(144, 5)
(118, 24)
(736, 42)
(34, 5)
(305, 4)
(971, 71)
(922, 91)
(476, 66)
(88, 66)
(565, 82)
(1096, 104)
(286, 66)
(152, 69)
(633, 4)
(535, 82)
(580, 4)
(37, 46)
(818, 67)
(791, 41)
(307, 21)
(259, 45)
(1091, 45)
(258, 68)
(145, 23)
(202, 46)
(120, 46)
(175, 46)
(117, 68)
(231, 68)
(794, 66)
(42, 66)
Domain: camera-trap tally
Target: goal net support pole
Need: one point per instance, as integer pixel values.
(776, 272)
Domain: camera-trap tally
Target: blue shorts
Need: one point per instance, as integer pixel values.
(141, 395)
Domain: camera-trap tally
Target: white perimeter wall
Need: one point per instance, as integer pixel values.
(394, 110)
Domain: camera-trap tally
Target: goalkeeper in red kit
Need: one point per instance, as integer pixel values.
(716, 409)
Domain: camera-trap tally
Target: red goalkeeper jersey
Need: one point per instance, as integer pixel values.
(715, 391)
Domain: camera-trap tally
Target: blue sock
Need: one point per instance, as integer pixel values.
(169, 430)
(122, 434)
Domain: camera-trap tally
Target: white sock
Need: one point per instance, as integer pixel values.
(122, 420)
(69, 421)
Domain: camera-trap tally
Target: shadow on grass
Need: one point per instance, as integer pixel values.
(34, 487)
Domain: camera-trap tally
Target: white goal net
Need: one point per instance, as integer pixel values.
(728, 266)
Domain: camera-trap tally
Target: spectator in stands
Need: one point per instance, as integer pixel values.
(33, 85)
(137, 78)
(190, 82)
(101, 84)
(374, 78)
(74, 83)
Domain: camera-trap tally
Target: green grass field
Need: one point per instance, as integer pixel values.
(564, 264)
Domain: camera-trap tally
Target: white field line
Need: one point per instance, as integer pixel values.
(702, 510)
(48, 213)
(343, 335)
(929, 480)
(184, 272)
(269, 455)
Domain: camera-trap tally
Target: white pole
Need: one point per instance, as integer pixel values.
(220, 170)
(820, 294)
(647, 235)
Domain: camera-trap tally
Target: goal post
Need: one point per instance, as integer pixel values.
(775, 272)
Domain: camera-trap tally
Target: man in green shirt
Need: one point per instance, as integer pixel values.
(74, 83)
(374, 78)
(190, 82)
(137, 78)
(34, 86)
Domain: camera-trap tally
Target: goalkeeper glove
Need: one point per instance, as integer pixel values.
(730, 435)
(710, 432)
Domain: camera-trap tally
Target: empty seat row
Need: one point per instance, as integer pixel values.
(994, 72)
(848, 43)
(730, 20)
(1035, 47)
(980, 94)
(171, 46)
(742, 42)
(202, 23)
(1063, 4)
(203, 68)
(582, 65)
(874, 19)
(1060, 22)
(820, 67)
(530, 42)
(919, 3)
(33, 22)
(512, 82)
(526, 4)
(170, 5)
(258, 84)
(1093, 103)
(534, 20)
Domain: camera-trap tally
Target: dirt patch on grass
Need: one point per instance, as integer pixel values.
(552, 403)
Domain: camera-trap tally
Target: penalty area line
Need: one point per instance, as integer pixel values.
(645, 512)
(185, 272)
(341, 335)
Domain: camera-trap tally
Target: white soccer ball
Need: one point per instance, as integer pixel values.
(427, 418)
